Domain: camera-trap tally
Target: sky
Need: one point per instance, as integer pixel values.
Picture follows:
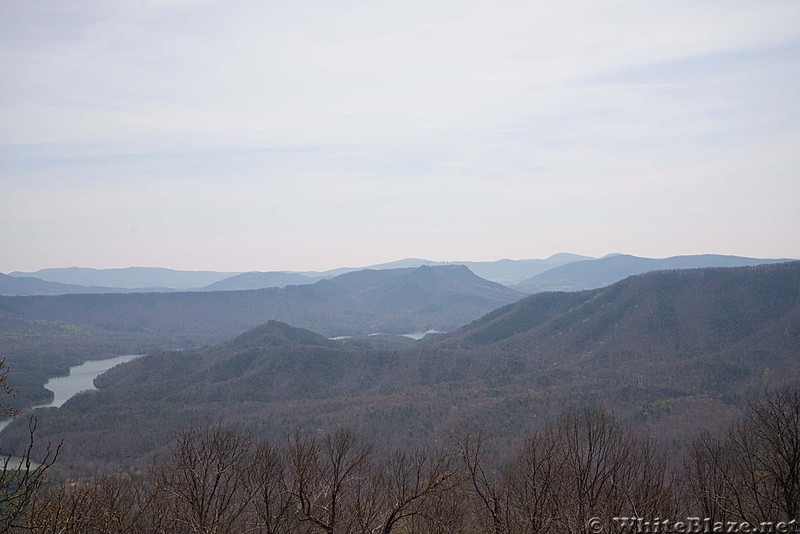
(273, 135)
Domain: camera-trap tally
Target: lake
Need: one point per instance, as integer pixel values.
(81, 378)
(416, 336)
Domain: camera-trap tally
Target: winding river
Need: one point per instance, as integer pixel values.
(80, 378)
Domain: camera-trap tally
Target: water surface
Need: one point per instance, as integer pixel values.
(81, 378)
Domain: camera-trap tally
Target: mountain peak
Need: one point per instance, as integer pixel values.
(276, 333)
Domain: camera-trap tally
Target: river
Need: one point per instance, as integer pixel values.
(80, 378)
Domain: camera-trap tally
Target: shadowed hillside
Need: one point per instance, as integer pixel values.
(258, 280)
(42, 336)
(28, 285)
(362, 302)
(138, 278)
(672, 351)
(591, 274)
(60, 281)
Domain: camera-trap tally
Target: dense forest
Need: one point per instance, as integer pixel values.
(668, 393)
(672, 352)
(233, 300)
(43, 335)
(583, 472)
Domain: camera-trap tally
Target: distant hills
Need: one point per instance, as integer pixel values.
(361, 302)
(510, 272)
(259, 280)
(26, 285)
(43, 335)
(560, 272)
(505, 271)
(594, 273)
(673, 351)
(141, 278)
(147, 279)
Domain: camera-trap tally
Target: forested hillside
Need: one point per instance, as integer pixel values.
(601, 272)
(673, 352)
(42, 336)
(361, 302)
(584, 471)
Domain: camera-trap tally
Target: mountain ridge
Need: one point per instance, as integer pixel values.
(15, 286)
(148, 279)
(595, 273)
(333, 307)
(662, 349)
(526, 275)
(259, 280)
(127, 277)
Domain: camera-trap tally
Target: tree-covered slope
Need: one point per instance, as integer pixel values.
(674, 351)
(595, 273)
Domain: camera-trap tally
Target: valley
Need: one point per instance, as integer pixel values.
(399, 267)
(80, 379)
(673, 352)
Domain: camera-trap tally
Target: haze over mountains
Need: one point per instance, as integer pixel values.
(661, 347)
(128, 277)
(44, 335)
(259, 280)
(83, 280)
(527, 275)
(594, 273)
(360, 302)
(672, 351)
(28, 285)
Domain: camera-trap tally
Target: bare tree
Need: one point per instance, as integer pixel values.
(445, 512)
(272, 501)
(772, 428)
(533, 483)
(325, 475)
(21, 478)
(754, 474)
(6, 391)
(205, 478)
(584, 465)
(709, 472)
(406, 486)
(105, 503)
(608, 471)
(492, 499)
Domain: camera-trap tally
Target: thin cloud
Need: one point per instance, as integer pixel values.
(403, 129)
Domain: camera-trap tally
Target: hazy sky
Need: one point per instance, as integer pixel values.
(261, 135)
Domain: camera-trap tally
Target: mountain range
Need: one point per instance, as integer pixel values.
(61, 281)
(560, 272)
(260, 280)
(674, 352)
(601, 272)
(43, 335)
(128, 277)
(360, 302)
(29, 285)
